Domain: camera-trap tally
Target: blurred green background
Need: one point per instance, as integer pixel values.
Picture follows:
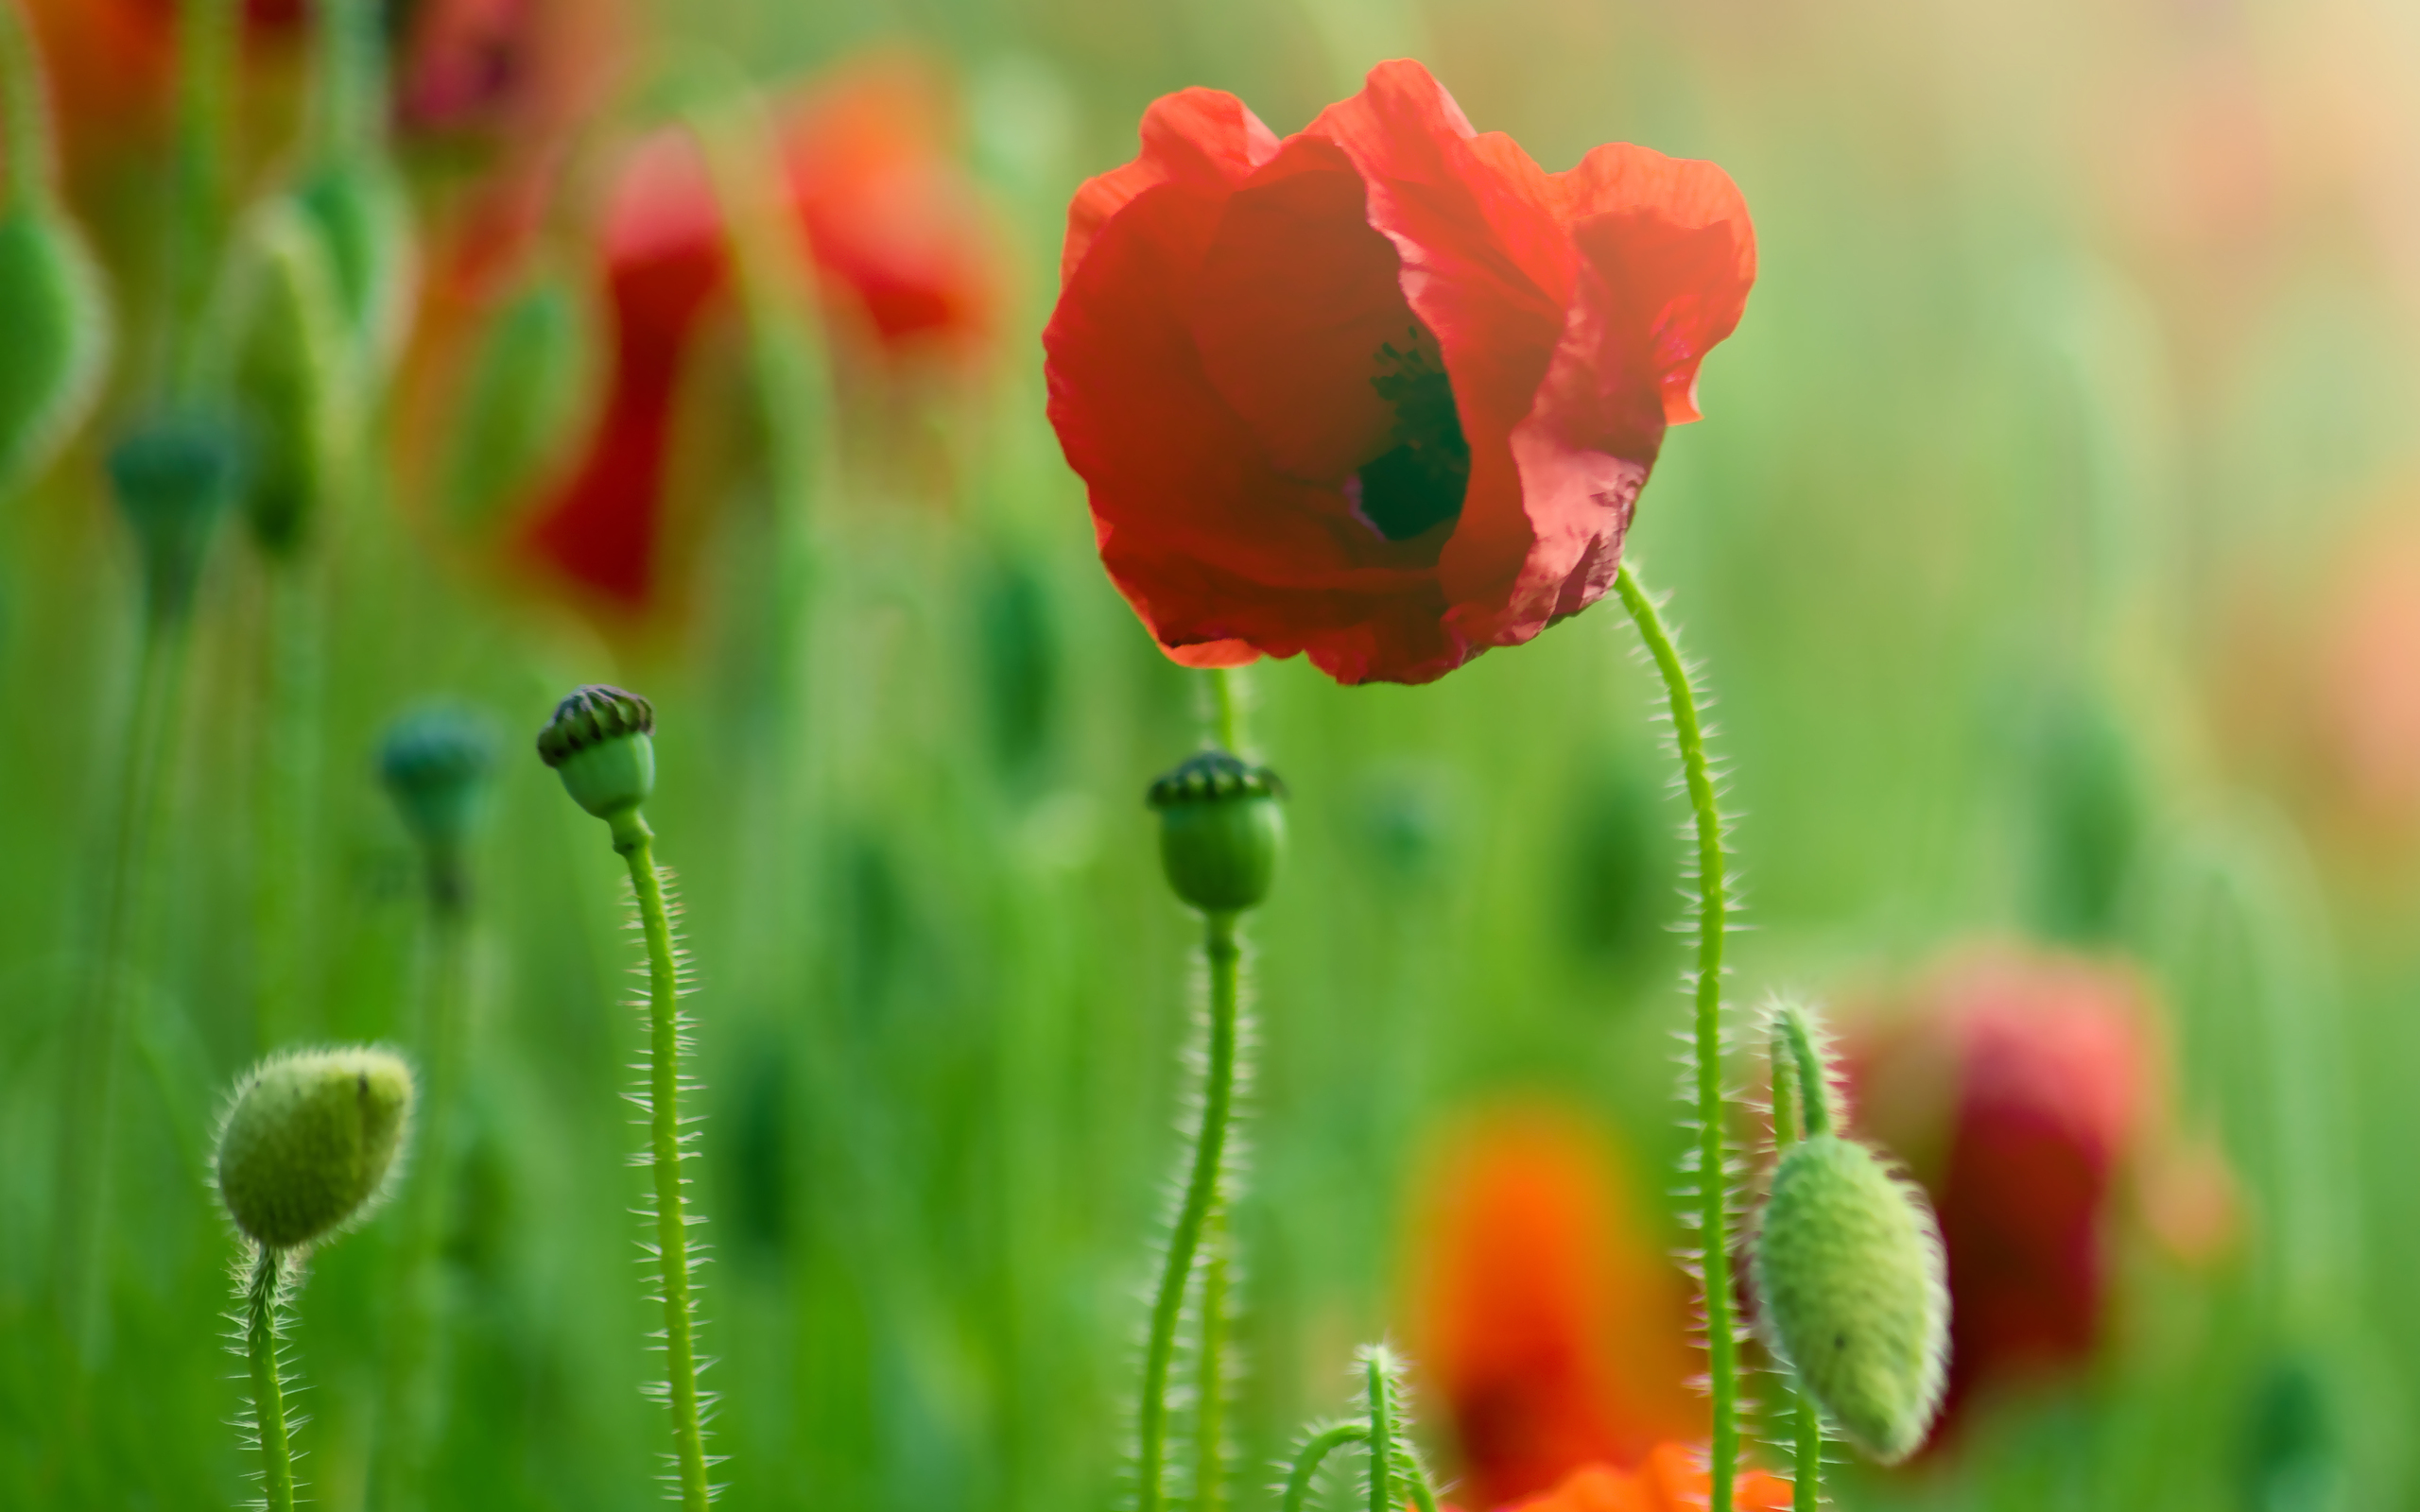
(2053, 545)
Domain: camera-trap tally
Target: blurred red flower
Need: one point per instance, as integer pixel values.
(2021, 1091)
(1549, 1321)
(1672, 1479)
(1385, 392)
(904, 251)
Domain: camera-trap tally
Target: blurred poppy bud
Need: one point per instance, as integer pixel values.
(1219, 830)
(519, 400)
(53, 307)
(310, 1141)
(1849, 1269)
(291, 376)
(599, 741)
(434, 764)
(364, 218)
(174, 474)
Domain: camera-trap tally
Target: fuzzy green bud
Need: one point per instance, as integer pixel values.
(434, 764)
(1850, 1277)
(174, 475)
(599, 742)
(310, 1141)
(1221, 830)
(55, 309)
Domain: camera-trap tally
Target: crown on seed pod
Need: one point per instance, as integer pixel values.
(309, 1140)
(1221, 830)
(1850, 1274)
(599, 742)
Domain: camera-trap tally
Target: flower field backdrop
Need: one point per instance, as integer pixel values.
(2050, 552)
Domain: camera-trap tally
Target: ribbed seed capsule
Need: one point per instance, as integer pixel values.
(310, 1141)
(1220, 830)
(600, 742)
(1850, 1278)
(55, 309)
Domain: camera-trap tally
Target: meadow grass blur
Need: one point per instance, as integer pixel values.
(2068, 427)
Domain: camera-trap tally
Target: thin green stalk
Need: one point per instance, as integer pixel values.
(26, 112)
(416, 1340)
(282, 802)
(349, 101)
(121, 950)
(1306, 1464)
(268, 1390)
(1714, 1213)
(636, 842)
(1210, 1424)
(1209, 1155)
(1382, 1434)
(1794, 1061)
(1226, 717)
(201, 175)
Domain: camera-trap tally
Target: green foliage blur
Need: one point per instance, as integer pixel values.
(2051, 546)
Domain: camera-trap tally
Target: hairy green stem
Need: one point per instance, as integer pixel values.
(1226, 714)
(1306, 1464)
(1794, 1061)
(635, 843)
(25, 113)
(1714, 1211)
(121, 949)
(268, 1390)
(1210, 1424)
(415, 1339)
(1200, 1194)
(1382, 1434)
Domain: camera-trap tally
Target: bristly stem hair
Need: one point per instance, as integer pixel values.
(1722, 1344)
(1795, 1061)
(263, 1286)
(1201, 1194)
(636, 842)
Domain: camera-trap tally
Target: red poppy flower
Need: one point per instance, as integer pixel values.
(1672, 1478)
(900, 240)
(1549, 1321)
(2021, 1094)
(1385, 392)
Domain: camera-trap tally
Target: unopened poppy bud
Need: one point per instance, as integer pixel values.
(174, 475)
(293, 373)
(1849, 1273)
(1219, 830)
(364, 217)
(518, 406)
(57, 315)
(434, 763)
(310, 1139)
(599, 742)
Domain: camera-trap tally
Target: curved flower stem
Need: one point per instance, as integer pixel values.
(635, 841)
(1226, 710)
(25, 112)
(1382, 1434)
(1714, 1213)
(1210, 1418)
(268, 1390)
(1200, 1195)
(1794, 1061)
(1306, 1464)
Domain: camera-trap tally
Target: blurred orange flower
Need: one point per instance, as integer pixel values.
(907, 262)
(1672, 1478)
(1550, 1319)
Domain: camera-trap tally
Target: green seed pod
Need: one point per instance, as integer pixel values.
(1850, 1278)
(175, 474)
(600, 740)
(55, 308)
(519, 400)
(294, 375)
(1221, 830)
(364, 218)
(434, 763)
(310, 1141)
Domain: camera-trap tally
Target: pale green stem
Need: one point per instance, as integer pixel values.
(635, 841)
(416, 1345)
(1306, 1464)
(268, 1390)
(1226, 714)
(1793, 1049)
(26, 112)
(121, 952)
(201, 174)
(1382, 1435)
(1210, 1426)
(1714, 1213)
(1201, 1192)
